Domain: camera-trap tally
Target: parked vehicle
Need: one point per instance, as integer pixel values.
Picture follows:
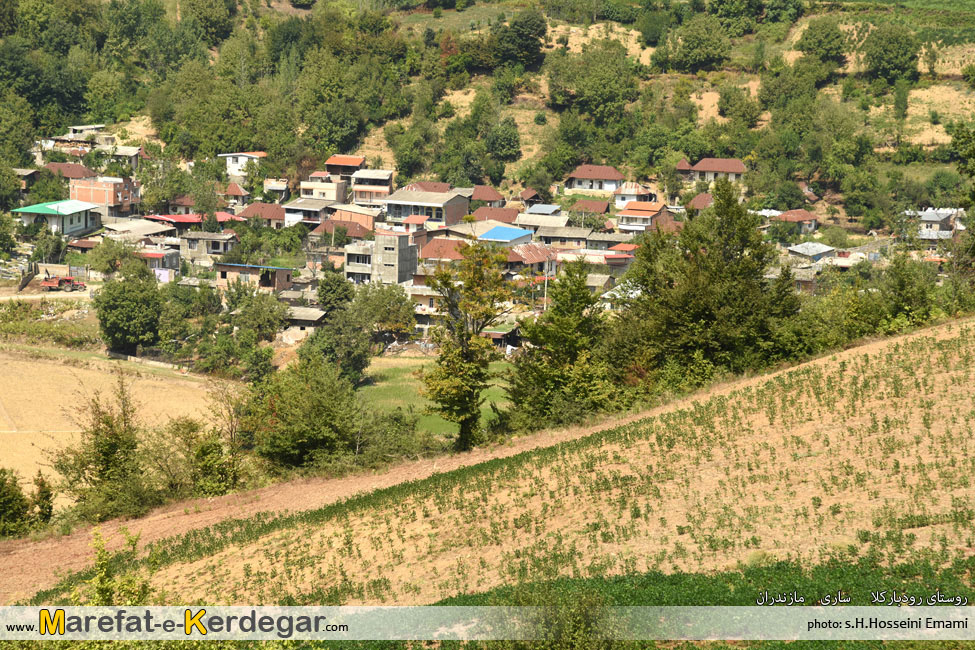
(62, 283)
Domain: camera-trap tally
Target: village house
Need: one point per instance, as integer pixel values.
(390, 259)
(529, 259)
(27, 179)
(566, 237)
(589, 206)
(270, 215)
(594, 178)
(70, 170)
(371, 187)
(365, 217)
(320, 185)
(307, 211)
(161, 260)
(234, 196)
(504, 215)
(535, 221)
(264, 278)
(632, 191)
(182, 204)
(529, 197)
(429, 186)
(184, 222)
(547, 209)
(237, 162)
(68, 217)
(490, 196)
(702, 201)
(599, 283)
(116, 197)
(936, 225)
(343, 168)
(302, 323)
(324, 234)
(198, 247)
(506, 236)
(711, 169)
(467, 229)
(122, 154)
(804, 219)
(601, 241)
(276, 189)
(133, 230)
(639, 217)
(811, 251)
(443, 208)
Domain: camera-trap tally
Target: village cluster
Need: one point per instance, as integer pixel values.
(399, 234)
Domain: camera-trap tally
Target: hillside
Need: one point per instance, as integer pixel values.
(864, 450)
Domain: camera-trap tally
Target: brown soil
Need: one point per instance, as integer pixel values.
(579, 37)
(26, 565)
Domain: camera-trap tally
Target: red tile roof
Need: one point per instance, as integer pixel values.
(724, 165)
(624, 247)
(256, 154)
(504, 215)
(428, 186)
(184, 200)
(597, 172)
(441, 248)
(352, 229)
(418, 219)
(701, 201)
(666, 223)
(233, 189)
(69, 170)
(527, 194)
(640, 209)
(272, 211)
(486, 193)
(346, 161)
(590, 205)
(683, 165)
(796, 216)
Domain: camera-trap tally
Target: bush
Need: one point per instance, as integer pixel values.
(541, 118)
(128, 312)
(968, 74)
(14, 506)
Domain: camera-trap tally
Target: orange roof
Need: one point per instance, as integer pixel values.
(624, 248)
(346, 161)
(428, 186)
(233, 189)
(272, 211)
(683, 165)
(256, 154)
(796, 216)
(416, 218)
(644, 205)
(352, 229)
(590, 205)
(441, 248)
(722, 165)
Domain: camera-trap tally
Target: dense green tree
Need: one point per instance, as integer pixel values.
(128, 311)
(103, 472)
(824, 40)
(9, 188)
(890, 52)
(521, 41)
(472, 297)
(386, 310)
(14, 506)
(262, 314)
(555, 378)
(109, 255)
(736, 104)
(17, 132)
(334, 291)
(305, 412)
(213, 16)
(700, 44)
(737, 16)
(344, 342)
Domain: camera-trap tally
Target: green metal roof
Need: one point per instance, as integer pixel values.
(57, 207)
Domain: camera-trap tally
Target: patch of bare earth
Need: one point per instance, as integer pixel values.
(579, 37)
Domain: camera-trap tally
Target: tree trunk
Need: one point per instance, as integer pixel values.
(468, 435)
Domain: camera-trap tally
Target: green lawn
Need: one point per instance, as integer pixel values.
(394, 384)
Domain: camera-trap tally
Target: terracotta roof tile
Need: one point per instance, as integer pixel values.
(504, 215)
(597, 172)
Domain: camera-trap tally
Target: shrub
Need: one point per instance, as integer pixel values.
(14, 506)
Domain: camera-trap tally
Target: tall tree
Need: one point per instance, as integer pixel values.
(472, 297)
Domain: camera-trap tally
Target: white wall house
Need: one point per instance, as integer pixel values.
(237, 161)
(595, 179)
(62, 217)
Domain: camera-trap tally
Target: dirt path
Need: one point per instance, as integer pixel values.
(27, 565)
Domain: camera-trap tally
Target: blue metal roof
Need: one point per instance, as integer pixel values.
(504, 233)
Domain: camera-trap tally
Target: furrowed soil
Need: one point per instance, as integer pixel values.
(867, 448)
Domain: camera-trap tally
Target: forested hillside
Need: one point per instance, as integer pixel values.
(860, 100)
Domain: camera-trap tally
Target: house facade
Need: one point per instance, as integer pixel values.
(804, 219)
(442, 208)
(596, 179)
(68, 217)
(371, 187)
(342, 167)
(236, 162)
(565, 238)
(116, 197)
(631, 191)
(490, 196)
(711, 169)
(204, 247)
(390, 259)
(264, 278)
(309, 211)
(270, 215)
(320, 185)
(639, 216)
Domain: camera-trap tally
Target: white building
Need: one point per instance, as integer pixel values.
(237, 161)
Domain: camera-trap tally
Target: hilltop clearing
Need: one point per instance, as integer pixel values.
(841, 453)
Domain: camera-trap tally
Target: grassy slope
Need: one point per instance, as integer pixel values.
(863, 453)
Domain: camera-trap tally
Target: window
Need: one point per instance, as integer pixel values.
(223, 275)
(389, 248)
(431, 303)
(245, 277)
(192, 244)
